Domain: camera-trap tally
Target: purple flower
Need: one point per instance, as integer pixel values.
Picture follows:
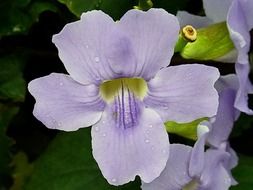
(239, 17)
(222, 125)
(195, 169)
(118, 83)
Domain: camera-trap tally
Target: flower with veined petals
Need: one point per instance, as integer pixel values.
(239, 17)
(118, 82)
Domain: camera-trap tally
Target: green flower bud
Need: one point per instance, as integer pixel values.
(188, 34)
(213, 42)
(188, 130)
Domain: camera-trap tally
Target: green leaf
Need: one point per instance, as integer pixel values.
(172, 6)
(68, 164)
(243, 173)
(12, 92)
(22, 170)
(242, 124)
(114, 8)
(188, 130)
(212, 43)
(12, 84)
(6, 114)
(144, 5)
(17, 16)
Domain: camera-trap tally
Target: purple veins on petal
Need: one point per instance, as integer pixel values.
(126, 111)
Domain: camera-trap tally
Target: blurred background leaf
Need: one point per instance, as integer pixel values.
(12, 93)
(17, 16)
(6, 114)
(12, 84)
(114, 8)
(243, 173)
(172, 6)
(22, 170)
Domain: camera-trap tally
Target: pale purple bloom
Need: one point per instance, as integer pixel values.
(193, 168)
(239, 17)
(128, 135)
(222, 125)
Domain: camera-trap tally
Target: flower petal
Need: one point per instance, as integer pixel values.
(62, 103)
(217, 10)
(175, 175)
(184, 93)
(186, 18)
(225, 118)
(94, 49)
(197, 158)
(215, 176)
(122, 152)
(239, 25)
(247, 6)
(153, 35)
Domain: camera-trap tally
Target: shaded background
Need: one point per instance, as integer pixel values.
(33, 157)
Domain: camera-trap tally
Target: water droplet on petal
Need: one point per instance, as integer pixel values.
(114, 180)
(165, 107)
(97, 78)
(150, 126)
(96, 59)
(228, 181)
(147, 141)
(87, 46)
(104, 135)
(152, 148)
(61, 84)
(164, 151)
(103, 122)
(96, 128)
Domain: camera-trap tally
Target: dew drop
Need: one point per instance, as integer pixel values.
(96, 128)
(164, 151)
(97, 78)
(104, 135)
(114, 180)
(165, 107)
(103, 122)
(152, 148)
(87, 46)
(227, 180)
(61, 84)
(150, 126)
(147, 141)
(96, 59)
